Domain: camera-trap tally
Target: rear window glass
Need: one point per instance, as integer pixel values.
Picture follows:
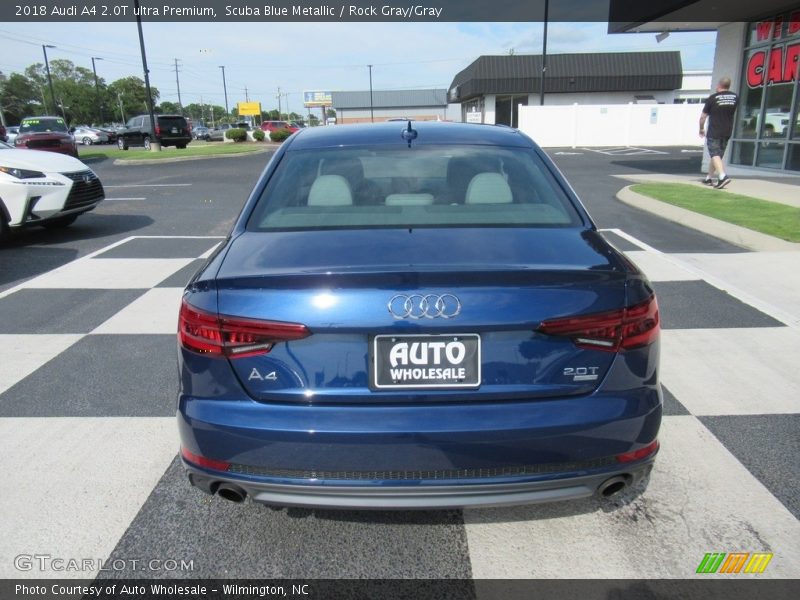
(422, 186)
(37, 125)
(172, 122)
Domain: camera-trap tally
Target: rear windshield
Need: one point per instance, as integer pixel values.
(37, 125)
(172, 122)
(422, 186)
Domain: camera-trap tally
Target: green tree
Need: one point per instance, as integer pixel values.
(168, 108)
(73, 87)
(19, 97)
(131, 93)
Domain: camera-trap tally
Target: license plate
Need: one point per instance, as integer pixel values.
(174, 130)
(426, 361)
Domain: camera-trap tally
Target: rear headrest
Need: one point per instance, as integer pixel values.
(330, 190)
(488, 188)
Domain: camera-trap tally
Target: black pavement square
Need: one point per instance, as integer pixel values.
(101, 376)
(619, 242)
(181, 277)
(179, 521)
(768, 445)
(29, 311)
(699, 305)
(672, 407)
(161, 248)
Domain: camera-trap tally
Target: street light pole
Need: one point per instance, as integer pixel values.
(97, 89)
(371, 109)
(155, 146)
(49, 78)
(224, 88)
(544, 54)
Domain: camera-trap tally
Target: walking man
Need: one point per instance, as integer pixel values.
(720, 107)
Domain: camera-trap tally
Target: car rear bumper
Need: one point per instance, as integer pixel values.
(385, 496)
(420, 456)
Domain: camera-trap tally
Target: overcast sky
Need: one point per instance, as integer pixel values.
(312, 56)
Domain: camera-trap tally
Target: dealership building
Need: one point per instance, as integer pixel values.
(758, 47)
(382, 105)
(492, 88)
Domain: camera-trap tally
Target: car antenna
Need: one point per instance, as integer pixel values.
(409, 134)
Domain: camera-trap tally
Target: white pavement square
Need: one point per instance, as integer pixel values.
(22, 354)
(156, 311)
(110, 273)
(658, 267)
(688, 509)
(77, 484)
(733, 371)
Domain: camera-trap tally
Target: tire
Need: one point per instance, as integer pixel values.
(86, 141)
(146, 142)
(3, 227)
(121, 144)
(60, 222)
(181, 146)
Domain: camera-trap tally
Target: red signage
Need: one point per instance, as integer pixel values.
(778, 64)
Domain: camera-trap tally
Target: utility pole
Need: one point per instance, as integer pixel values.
(544, 56)
(178, 83)
(97, 90)
(155, 146)
(280, 114)
(224, 88)
(121, 109)
(246, 96)
(49, 78)
(371, 109)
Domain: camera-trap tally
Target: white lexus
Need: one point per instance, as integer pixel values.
(44, 188)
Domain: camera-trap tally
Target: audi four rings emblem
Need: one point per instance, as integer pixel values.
(428, 306)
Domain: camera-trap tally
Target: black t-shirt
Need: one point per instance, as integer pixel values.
(720, 108)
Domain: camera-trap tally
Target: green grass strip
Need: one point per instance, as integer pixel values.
(211, 149)
(772, 218)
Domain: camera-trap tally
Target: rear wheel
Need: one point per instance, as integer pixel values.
(121, 144)
(59, 222)
(86, 141)
(147, 143)
(181, 146)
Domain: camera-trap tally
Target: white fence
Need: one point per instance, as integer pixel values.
(603, 125)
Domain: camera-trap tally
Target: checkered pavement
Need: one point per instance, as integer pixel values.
(87, 435)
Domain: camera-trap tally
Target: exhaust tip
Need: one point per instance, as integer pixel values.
(232, 493)
(611, 487)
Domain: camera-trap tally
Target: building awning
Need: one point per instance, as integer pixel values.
(596, 72)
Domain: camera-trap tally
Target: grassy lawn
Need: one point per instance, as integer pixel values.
(772, 218)
(193, 149)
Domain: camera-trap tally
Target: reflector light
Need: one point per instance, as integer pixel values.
(202, 461)
(234, 337)
(623, 329)
(639, 454)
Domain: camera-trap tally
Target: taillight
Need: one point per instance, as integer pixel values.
(234, 337)
(158, 130)
(639, 454)
(623, 329)
(202, 461)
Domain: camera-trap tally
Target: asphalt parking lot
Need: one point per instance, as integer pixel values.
(87, 388)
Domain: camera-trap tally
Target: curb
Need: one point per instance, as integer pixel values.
(156, 161)
(734, 234)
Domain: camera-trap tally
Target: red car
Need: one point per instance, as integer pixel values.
(270, 126)
(46, 133)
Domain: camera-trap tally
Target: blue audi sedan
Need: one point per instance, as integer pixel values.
(416, 315)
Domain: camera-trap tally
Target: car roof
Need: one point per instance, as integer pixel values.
(428, 132)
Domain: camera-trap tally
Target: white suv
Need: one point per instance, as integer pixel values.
(44, 188)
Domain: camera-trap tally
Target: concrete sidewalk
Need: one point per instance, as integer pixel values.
(770, 275)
